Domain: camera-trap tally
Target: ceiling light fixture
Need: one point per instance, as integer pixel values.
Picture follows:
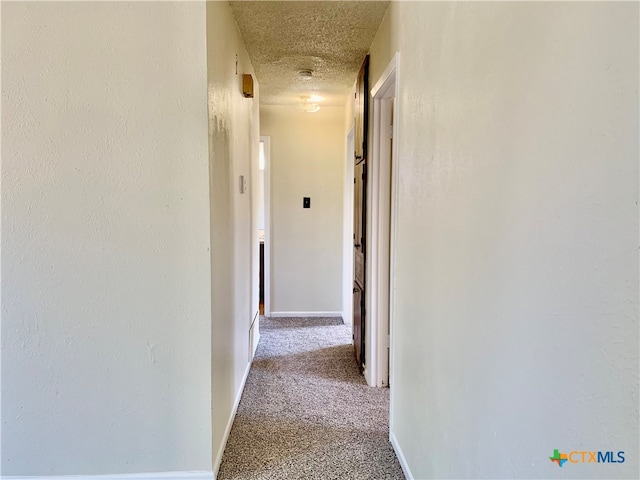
(307, 107)
(305, 75)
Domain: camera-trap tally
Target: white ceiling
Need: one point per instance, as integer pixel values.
(329, 37)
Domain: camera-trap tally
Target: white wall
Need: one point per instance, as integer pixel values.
(516, 314)
(234, 137)
(106, 298)
(307, 160)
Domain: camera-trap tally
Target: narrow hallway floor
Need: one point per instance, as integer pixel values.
(306, 412)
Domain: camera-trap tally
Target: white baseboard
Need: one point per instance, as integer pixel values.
(305, 314)
(194, 475)
(227, 431)
(400, 455)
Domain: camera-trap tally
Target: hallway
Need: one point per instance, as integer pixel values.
(130, 233)
(306, 412)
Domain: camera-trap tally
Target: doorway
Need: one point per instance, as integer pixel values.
(383, 191)
(264, 227)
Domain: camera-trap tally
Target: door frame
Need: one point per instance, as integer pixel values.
(381, 267)
(267, 224)
(347, 247)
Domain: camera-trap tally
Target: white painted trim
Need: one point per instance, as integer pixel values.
(306, 314)
(347, 250)
(256, 317)
(386, 75)
(190, 475)
(227, 430)
(254, 335)
(395, 176)
(373, 289)
(267, 224)
(381, 246)
(400, 455)
(256, 339)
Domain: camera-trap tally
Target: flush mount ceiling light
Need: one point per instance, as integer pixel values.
(307, 106)
(305, 75)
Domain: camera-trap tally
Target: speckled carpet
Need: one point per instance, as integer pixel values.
(306, 412)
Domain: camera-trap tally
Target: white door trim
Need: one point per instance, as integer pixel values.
(267, 224)
(347, 249)
(381, 248)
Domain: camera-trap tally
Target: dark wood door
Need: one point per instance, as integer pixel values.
(360, 213)
(357, 313)
(359, 239)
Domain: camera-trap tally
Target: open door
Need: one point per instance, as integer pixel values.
(359, 238)
(360, 212)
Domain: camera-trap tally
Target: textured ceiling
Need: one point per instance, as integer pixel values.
(329, 37)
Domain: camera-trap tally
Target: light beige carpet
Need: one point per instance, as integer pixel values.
(306, 412)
